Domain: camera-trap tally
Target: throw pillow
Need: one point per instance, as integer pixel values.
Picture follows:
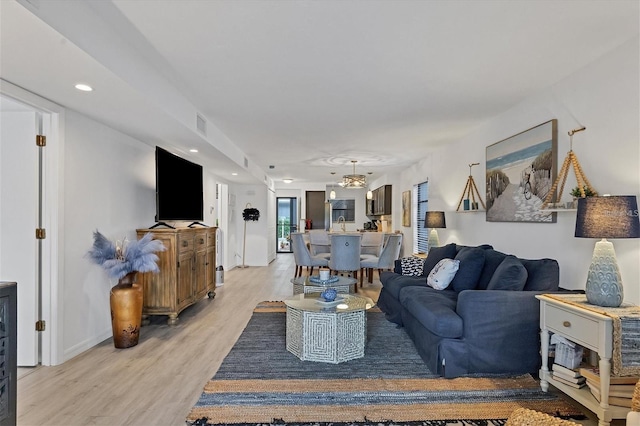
(436, 254)
(471, 263)
(411, 266)
(442, 274)
(509, 275)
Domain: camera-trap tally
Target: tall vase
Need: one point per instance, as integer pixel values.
(126, 311)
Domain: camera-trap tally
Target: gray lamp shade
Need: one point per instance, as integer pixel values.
(608, 217)
(434, 220)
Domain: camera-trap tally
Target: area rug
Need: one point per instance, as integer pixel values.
(260, 382)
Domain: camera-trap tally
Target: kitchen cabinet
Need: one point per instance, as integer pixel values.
(381, 202)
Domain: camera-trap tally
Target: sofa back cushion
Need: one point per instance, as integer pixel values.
(471, 263)
(436, 254)
(509, 275)
(492, 259)
(543, 274)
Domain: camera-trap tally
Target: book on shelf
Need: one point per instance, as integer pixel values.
(593, 375)
(613, 400)
(578, 380)
(624, 391)
(569, 382)
(564, 371)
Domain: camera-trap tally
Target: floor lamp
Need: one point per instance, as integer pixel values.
(248, 214)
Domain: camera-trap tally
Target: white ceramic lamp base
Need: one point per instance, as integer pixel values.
(604, 284)
(434, 241)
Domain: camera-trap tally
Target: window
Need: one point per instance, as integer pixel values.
(418, 211)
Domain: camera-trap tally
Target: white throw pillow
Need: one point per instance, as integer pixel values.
(441, 275)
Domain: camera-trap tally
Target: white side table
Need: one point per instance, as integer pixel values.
(586, 328)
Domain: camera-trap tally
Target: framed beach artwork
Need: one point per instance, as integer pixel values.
(520, 173)
(406, 208)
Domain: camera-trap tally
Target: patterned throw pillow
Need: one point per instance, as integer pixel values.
(411, 266)
(441, 275)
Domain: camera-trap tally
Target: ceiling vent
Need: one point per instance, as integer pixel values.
(246, 162)
(201, 124)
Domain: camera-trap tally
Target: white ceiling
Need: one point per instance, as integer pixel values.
(305, 86)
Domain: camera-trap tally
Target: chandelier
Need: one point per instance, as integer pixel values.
(353, 180)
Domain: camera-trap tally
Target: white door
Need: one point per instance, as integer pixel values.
(19, 206)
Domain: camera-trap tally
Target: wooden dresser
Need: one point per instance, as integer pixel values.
(187, 271)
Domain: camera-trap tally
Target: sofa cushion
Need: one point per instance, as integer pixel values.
(492, 259)
(434, 309)
(436, 254)
(544, 274)
(509, 275)
(411, 266)
(471, 263)
(393, 283)
(442, 274)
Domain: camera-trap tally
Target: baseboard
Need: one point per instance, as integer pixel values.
(85, 345)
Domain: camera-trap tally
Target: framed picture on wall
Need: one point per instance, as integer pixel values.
(406, 208)
(520, 173)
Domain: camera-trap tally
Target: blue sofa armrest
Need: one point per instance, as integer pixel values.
(501, 330)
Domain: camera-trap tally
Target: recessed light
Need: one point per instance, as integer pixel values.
(193, 150)
(234, 174)
(84, 87)
(287, 180)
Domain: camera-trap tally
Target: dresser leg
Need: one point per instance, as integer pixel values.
(173, 319)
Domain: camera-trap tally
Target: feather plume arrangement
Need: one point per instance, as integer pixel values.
(119, 259)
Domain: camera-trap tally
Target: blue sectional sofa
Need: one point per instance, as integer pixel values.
(486, 321)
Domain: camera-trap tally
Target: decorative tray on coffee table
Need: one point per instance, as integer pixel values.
(316, 279)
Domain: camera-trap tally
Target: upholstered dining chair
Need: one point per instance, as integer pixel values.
(303, 256)
(320, 242)
(390, 253)
(371, 243)
(345, 253)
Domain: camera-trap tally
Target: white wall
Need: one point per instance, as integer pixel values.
(604, 97)
(258, 232)
(109, 186)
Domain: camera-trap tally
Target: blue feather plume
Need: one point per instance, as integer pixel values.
(136, 256)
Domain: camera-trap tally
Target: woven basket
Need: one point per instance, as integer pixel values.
(635, 398)
(526, 417)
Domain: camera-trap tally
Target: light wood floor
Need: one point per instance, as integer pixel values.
(159, 380)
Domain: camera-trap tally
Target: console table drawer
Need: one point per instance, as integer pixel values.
(574, 327)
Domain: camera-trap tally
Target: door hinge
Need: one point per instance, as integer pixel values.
(41, 140)
(40, 325)
(41, 234)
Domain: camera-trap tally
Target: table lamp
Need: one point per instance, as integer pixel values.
(434, 220)
(606, 217)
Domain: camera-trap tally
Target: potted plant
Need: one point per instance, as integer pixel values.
(122, 261)
(576, 193)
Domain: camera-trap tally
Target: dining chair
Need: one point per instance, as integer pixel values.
(303, 256)
(345, 253)
(390, 253)
(319, 241)
(372, 243)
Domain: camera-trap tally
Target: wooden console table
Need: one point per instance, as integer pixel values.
(589, 329)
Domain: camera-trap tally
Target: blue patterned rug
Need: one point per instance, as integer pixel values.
(260, 382)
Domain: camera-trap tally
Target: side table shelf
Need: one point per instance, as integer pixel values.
(588, 329)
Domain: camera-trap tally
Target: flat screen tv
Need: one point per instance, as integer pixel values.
(179, 188)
